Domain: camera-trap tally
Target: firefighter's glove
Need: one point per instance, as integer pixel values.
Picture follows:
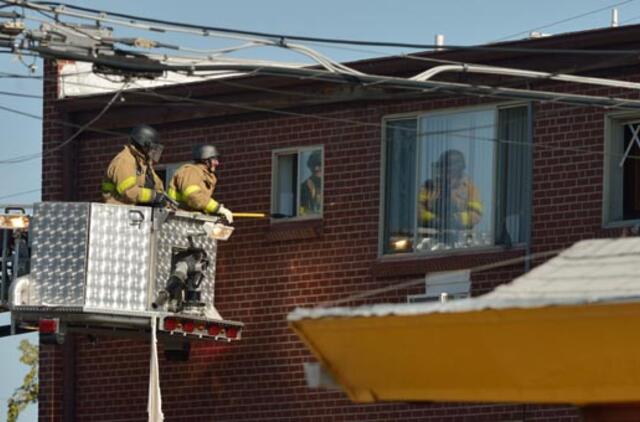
(226, 213)
(463, 220)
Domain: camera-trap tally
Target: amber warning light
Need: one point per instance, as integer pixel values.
(12, 222)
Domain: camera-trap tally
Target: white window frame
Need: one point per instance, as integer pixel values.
(274, 181)
(613, 121)
(418, 115)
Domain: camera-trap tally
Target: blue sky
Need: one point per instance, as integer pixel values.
(414, 21)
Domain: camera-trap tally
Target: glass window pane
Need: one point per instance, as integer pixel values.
(286, 183)
(631, 173)
(623, 195)
(311, 166)
(400, 186)
(616, 148)
(456, 172)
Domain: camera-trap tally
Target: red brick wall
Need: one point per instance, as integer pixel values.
(568, 184)
(260, 280)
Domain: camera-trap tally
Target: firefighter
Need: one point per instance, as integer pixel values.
(311, 188)
(193, 184)
(131, 179)
(450, 200)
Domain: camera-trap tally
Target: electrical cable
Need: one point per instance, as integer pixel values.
(356, 123)
(319, 58)
(58, 121)
(332, 68)
(455, 133)
(202, 30)
(385, 81)
(119, 92)
(82, 128)
(199, 101)
(11, 195)
(411, 283)
(336, 69)
(17, 94)
(16, 76)
(565, 20)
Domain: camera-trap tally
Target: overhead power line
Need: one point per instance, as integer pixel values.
(360, 79)
(28, 157)
(350, 122)
(411, 283)
(336, 72)
(564, 20)
(18, 94)
(159, 25)
(11, 195)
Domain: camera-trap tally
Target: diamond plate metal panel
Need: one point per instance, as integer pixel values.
(174, 234)
(59, 250)
(119, 257)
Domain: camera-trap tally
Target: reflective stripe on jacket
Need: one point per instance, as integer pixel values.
(126, 179)
(464, 199)
(193, 186)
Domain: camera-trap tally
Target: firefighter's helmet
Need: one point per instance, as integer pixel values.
(144, 136)
(146, 139)
(205, 152)
(451, 162)
(314, 160)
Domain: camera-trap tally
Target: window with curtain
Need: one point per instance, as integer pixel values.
(456, 180)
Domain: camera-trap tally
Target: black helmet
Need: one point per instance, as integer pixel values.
(204, 152)
(144, 136)
(314, 160)
(451, 161)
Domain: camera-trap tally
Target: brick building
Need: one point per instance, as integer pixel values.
(556, 181)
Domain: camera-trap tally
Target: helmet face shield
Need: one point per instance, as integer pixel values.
(155, 152)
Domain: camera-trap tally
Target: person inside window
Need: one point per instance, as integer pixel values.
(311, 188)
(449, 201)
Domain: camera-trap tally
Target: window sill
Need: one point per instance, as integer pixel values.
(294, 230)
(453, 260)
(620, 224)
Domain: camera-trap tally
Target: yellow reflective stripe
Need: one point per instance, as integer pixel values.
(475, 206)
(427, 215)
(107, 187)
(127, 183)
(190, 190)
(212, 206)
(174, 194)
(145, 195)
(465, 218)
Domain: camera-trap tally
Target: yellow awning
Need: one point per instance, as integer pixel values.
(581, 354)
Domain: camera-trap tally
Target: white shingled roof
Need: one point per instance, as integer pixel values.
(591, 271)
